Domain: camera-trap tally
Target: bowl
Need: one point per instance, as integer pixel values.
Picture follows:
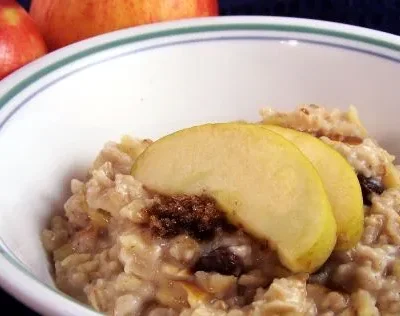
(57, 112)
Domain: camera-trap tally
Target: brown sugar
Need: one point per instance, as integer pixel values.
(198, 216)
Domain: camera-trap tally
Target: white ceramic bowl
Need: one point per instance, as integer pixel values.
(57, 112)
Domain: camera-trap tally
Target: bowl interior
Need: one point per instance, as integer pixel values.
(148, 89)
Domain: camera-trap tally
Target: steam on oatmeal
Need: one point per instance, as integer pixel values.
(223, 219)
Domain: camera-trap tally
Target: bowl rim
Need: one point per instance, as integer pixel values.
(15, 278)
(46, 64)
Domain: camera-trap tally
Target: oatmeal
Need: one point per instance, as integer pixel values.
(126, 250)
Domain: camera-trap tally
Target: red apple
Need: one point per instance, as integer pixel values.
(63, 22)
(20, 39)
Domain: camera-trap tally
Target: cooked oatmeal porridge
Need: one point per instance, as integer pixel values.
(128, 251)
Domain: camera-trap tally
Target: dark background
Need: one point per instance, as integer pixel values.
(383, 15)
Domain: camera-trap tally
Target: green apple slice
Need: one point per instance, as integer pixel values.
(261, 181)
(340, 182)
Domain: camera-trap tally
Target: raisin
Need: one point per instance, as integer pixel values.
(220, 260)
(322, 275)
(368, 186)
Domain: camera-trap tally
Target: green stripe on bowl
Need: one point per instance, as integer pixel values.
(192, 30)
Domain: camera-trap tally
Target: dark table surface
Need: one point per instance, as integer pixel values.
(8, 302)
(383, 15)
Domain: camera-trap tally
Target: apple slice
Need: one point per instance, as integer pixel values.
(260, 180)
(339, 180)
